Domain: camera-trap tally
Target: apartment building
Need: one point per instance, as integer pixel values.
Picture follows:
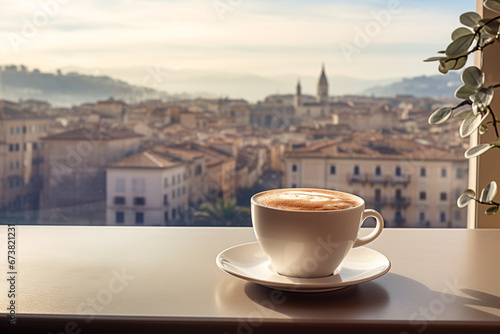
(146, 188)
(21, 160)
(74, 172)
(410, 183)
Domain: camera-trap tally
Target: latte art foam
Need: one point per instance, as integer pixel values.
(301, 200)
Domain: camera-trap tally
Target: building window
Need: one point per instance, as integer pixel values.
(174, 213)
(120, 185)
(423, 172)
(422, 196)
(120, 217)
(197, 170)
(165, 182)
(333, 170)
(460, 173)
(294, 185)
(24, 128)
(356, 170)
(442, 217)
(119, 200)
(378, 170)
(165, 199)
(173, 193)
(17, 164)
(378, 195)
(397, 171)
(444, 172)
(18, 130)
(443, 196)
(165, 216)
(11, 130)
(399, 194)
(458, 215)
(178, 192)
(138, 185)
(183, 190)
(11, 147)
(35, 146)
(421, 217)
(294, 168)
(179, 178)
(139, 201)
(173, 180)
(139, 217)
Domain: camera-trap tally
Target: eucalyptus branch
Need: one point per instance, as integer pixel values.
(494, 121)
(461, 104)
(487, 203)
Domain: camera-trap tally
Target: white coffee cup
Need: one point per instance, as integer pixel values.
(309, 242)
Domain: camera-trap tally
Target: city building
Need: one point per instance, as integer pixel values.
(146, 188)
(412, 184)
(74, 172)
(21, 160)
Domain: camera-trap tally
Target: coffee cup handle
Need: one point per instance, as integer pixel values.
(376, 232)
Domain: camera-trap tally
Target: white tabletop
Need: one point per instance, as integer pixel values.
(166, 279)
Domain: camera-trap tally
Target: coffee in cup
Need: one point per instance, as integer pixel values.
(308, 232)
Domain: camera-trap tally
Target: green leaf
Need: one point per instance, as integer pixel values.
(482, 129)
(491, 210)
(459, 32)
(470, 19)
(463, 92)
(477, 150)
(440, 116)
(463, 114)
(482, 99)
(473, 77)
(434, 59)
(469, 125)
(485, 38)
(465, 198)
(493, 5)
(460, 45)
(489, 27)
(460, 63)
(442, 69)
(489, 192)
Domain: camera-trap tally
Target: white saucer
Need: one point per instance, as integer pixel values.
(249, 262)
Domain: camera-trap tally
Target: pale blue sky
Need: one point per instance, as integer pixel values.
(364, 39)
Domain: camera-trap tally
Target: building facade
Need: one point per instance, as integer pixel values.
(21, 161)
(146, 188)
(410, 184)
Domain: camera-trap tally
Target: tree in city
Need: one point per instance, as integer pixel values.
(474, 111)
(223, 213)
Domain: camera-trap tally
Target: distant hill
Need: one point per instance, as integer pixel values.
(17, 82)
(423, 86)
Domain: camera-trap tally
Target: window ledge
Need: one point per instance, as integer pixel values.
(161, 279)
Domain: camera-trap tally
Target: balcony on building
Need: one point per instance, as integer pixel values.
(400, 201)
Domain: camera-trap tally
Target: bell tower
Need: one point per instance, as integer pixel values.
(322, 92)
(297, 99)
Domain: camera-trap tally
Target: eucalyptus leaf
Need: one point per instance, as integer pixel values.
(469, 125)
(440, 116)
(463, 200)
(485, 38)
(473, 77)
(490, 27)
(477, 150)
(463, 114)
(470, 19)
(460, 45)
(459, 32)
(491, 210)
(469, 192)
(489, 192)
(442, 69)
(482, 129)
(434, 58)
(442, 51)
(463, 92)
(483, 98)
(460, 63)
(493, 5)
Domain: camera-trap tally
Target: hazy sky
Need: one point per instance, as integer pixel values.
(364, 39)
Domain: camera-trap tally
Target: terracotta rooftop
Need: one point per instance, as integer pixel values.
(104, 134)
(375, 146)
(12, 111)
(147, 159)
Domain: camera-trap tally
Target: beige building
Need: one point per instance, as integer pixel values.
(410, 184)
(21, 160)
(146, 188)
(74, 172)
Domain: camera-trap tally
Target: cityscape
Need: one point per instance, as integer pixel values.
(197, 161)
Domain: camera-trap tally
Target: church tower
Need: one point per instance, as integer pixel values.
(322, 92)
(297, 99)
